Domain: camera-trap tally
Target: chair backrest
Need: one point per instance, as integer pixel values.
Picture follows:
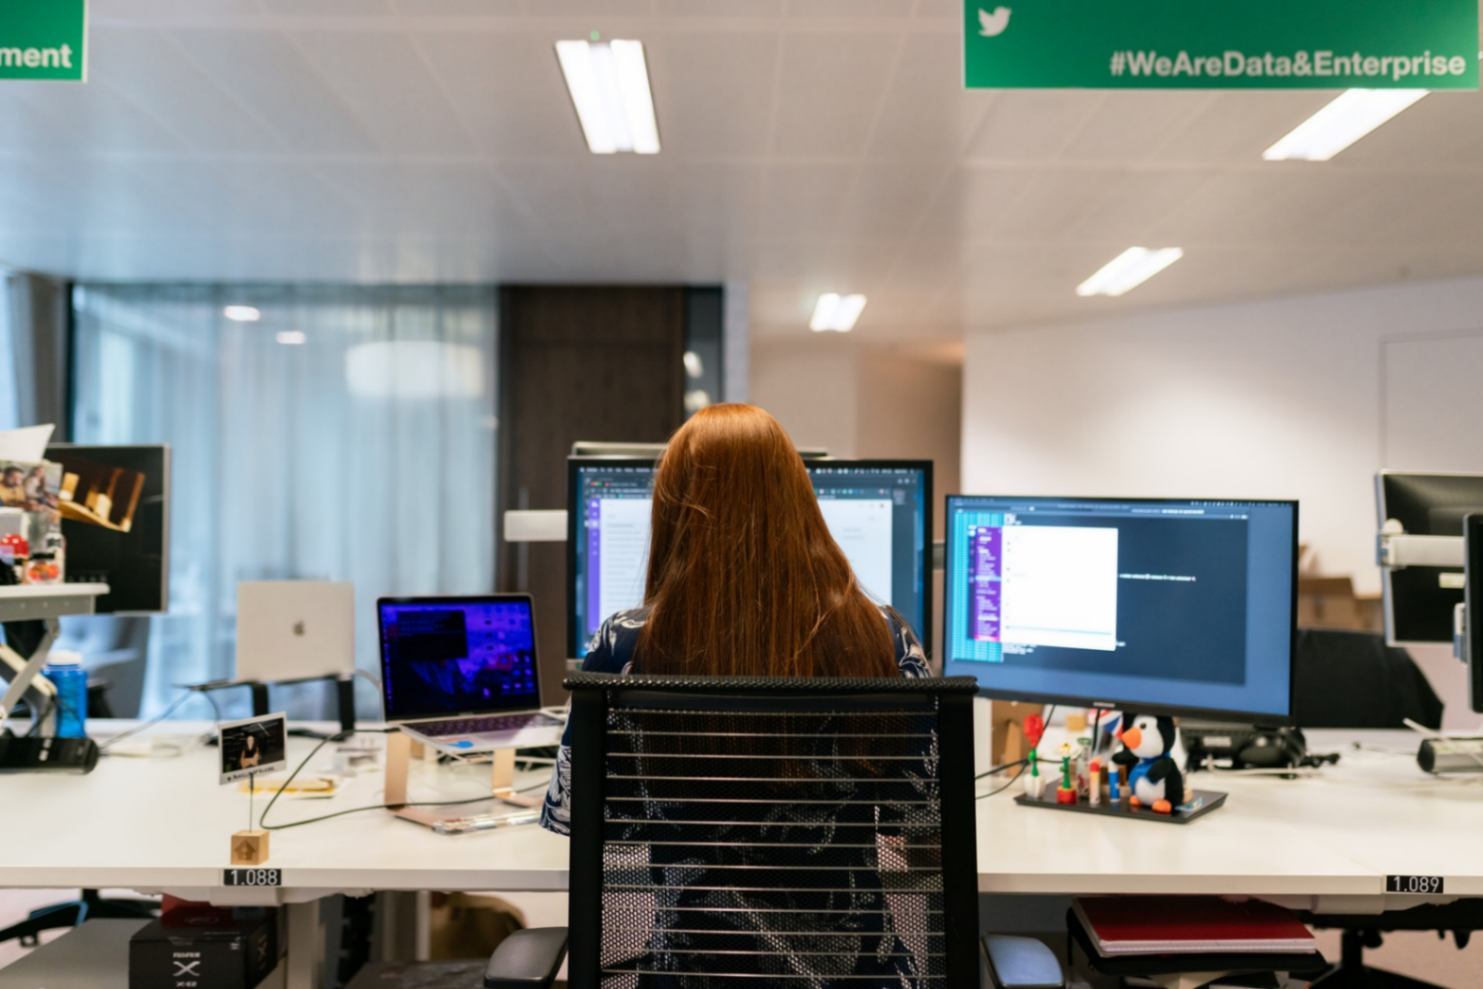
(778, 832)
(1354, 680)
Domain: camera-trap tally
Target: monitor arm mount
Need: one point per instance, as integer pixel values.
(26, 681)
(1395, 549)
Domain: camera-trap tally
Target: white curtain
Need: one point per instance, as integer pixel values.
(347, 434)
(9, 385)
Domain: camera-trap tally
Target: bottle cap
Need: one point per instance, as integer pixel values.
(63, 657)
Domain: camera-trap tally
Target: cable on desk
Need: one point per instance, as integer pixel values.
(1000, 789)
(163, 715)
(262, 820)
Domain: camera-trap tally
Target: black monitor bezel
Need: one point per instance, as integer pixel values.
(576, 463)
(104, 605)
(1389, 483)
(1263, 718)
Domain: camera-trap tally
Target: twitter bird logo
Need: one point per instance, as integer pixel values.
(995, 24)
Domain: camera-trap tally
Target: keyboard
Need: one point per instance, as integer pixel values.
(483, 724)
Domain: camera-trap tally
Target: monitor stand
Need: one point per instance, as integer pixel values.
(400, 750)
(1248, 746)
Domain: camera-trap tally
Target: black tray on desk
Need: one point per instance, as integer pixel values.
(1205, 800)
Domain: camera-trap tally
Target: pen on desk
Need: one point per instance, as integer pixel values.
(462, 824)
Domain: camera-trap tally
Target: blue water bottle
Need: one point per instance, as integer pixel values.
(65, 671)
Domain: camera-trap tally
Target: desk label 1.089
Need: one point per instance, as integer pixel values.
(1428, 885)
(252, 877)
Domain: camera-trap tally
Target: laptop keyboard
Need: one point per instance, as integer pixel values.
(484, 724)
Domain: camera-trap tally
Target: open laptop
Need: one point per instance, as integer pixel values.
(295, 630)
(461, 673)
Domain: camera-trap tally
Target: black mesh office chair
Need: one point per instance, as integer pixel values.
(1347, 679)
(750, 832)
(1350, 679)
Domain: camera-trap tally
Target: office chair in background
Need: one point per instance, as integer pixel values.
(771, 832)
(1350, 679)
(1354, 680)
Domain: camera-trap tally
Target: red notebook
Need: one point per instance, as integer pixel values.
(1191, 925)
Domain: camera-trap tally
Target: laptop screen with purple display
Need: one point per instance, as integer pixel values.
(453, 656)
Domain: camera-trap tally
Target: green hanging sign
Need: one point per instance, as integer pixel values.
(44, 39)
(1220, 44)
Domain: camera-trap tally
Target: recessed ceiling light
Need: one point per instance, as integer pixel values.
(693, 366)
(291, 338)
(1345, 119)
(835, 313)
(242, 314)
(1128, 270)
(609, 86)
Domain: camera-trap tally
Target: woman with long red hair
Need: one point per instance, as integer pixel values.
(744, 578)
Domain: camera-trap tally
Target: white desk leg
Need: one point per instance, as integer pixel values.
(305, 945)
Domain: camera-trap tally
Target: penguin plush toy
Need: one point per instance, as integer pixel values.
(1154, 779)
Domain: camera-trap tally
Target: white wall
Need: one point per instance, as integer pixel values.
(863, 401)
(1285, 398)
(867, 401)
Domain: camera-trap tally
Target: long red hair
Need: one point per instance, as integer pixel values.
(744, 577)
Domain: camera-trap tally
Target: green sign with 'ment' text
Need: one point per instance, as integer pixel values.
(44, 39)
(1220, 44)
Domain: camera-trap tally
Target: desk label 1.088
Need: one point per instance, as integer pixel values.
(252, 877)
(1427, 885)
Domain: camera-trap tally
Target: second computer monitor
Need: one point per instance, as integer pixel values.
(1184, 607)
(879, 511)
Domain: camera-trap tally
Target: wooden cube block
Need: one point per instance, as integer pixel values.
(250, 847)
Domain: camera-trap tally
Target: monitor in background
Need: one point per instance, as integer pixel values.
(1421, 602)
(1183, 607)
(446, 655)
(116, 520)
(1473, 613)
(879, 511)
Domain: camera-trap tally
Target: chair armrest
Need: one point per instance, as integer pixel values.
(1019, 963)
(527, 959)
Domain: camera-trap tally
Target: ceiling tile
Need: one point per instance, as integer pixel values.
(386, 83)
(712, 92)
(269, 76)
(828, 93)
(153, 71)
(507, 90)
(927, 114)
(1031, 125)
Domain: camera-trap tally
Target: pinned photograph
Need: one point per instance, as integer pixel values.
(256, 745)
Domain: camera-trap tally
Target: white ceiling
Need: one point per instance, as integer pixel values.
(809, 145)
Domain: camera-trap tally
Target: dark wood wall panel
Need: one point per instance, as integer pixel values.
(577, 363)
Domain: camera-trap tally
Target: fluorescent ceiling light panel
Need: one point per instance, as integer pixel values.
(291, 338)
(242, 314)
(835, 313)
(609, 86)
(1128, 270)
(1347, 118)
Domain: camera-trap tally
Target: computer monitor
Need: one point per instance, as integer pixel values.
(1473, 610)
(116, 520)
(1162, 607)
(457, 655)
(879, 511)
(1421, 602)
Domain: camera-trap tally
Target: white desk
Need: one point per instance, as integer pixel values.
(1333, 838)
(162, 825)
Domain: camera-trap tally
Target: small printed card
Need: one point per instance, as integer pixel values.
(256, 745)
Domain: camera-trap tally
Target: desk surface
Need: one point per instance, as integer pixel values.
(163, 824)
